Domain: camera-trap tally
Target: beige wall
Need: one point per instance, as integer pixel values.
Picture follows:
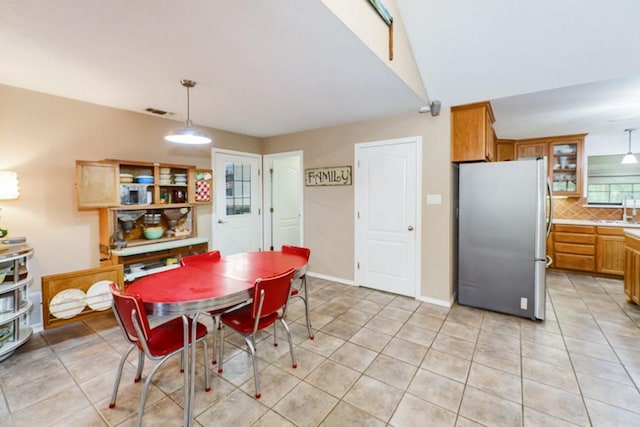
(41, 136)
(328, 211)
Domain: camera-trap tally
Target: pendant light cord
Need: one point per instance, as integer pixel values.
(189, 116)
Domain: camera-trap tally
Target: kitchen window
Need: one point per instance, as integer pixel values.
(609, 182)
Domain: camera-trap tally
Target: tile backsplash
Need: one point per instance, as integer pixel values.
(574, 208)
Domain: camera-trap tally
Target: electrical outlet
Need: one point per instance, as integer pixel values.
(523, 303)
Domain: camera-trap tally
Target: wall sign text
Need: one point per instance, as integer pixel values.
(339, 175)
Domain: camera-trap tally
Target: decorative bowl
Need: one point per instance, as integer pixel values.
(144, 179)
(152, 233)
(126, 178)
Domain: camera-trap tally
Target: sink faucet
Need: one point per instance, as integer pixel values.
(626, 217)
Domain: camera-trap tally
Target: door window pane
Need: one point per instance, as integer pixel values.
(238, 188)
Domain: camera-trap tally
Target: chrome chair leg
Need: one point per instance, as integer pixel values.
(114, 394)
(221, 351)
(294, 365)
(140, 367)
(216, 327)
(304, 296)
(145, 390)
(303, 288)
(254, 360)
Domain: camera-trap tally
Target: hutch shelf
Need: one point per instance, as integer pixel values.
(14, 294)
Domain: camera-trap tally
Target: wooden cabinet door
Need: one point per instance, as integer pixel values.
(610, 255)
(537, 149)
(505, 150)
(632, 269)
(490, 138)
(471, 132)
(97, 184)
(565, 165)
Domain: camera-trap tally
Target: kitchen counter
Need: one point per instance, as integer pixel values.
(633, 232)
(599, 223)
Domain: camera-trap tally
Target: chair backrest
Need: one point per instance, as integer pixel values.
(297, 250)
(126, 308)
(274, 292)
(210, 256)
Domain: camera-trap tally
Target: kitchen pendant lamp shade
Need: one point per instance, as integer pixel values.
(188, 134)
(630, 158)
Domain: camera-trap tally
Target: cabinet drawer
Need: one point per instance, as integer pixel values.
(585, 239)
(610, 231)
(575, 262)
(570, 248)
(568, 228)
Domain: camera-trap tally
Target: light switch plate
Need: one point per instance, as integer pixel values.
(434, 199)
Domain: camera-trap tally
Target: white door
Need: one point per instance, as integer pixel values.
(387, 188)
(237, 222)
(282, 200)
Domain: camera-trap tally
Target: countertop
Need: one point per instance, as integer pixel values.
(635, 227)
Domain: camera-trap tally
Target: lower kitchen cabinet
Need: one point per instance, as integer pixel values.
(588, 248)
(610, 250)
(632, 267)
(574, 247)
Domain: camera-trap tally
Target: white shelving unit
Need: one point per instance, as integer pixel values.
(17, 319)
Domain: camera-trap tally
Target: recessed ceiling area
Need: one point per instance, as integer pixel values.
(267, 68)
(548, 67)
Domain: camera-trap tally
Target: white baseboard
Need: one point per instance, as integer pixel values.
(436, 301)
(331, 278)
(442, 303)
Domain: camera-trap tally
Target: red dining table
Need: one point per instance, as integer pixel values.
(205, 286)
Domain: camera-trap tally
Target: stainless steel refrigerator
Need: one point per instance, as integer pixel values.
(502, 229)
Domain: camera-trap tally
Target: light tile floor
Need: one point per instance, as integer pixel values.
(378, 359)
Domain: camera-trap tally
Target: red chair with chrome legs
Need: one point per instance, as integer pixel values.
(300, 291)
(270, 295)
(158, 343)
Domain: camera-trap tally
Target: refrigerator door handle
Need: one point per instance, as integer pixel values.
(550, 220)
(549, 261)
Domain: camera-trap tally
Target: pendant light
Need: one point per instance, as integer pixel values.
(188, 134)
(629, 158)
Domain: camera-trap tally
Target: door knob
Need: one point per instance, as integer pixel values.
(221, 221)
(410, 228)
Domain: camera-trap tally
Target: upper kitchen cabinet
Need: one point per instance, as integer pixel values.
(96, 184)
(565, 165)
(565, 160)
(472, 135)
(116, 183)
(505, 150)
(536, 148)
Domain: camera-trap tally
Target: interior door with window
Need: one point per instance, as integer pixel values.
(237, 220)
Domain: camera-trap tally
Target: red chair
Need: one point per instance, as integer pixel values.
(204, 258)
(301, 290)
(269, 296)
(158, 343)
(211, 256)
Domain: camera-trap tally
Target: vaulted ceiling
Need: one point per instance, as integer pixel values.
(273, 67)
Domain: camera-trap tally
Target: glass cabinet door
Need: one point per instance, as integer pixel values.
(565, 164)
